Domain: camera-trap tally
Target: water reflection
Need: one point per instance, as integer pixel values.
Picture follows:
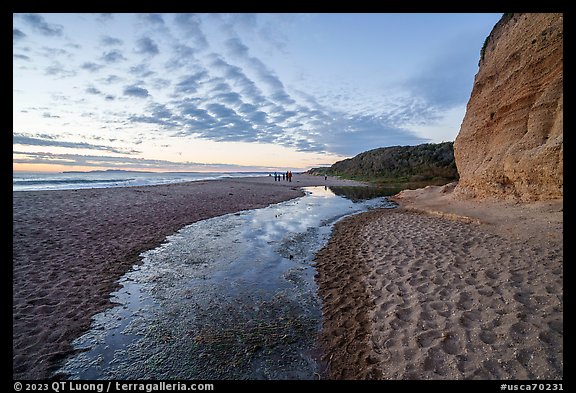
(363, 193)
(231, 297)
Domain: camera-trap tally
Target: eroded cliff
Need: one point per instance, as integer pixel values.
(510, 144)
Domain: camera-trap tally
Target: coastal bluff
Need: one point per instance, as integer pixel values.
(398, 164)
(510, 144)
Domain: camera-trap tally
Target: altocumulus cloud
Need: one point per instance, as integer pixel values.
(146, 46)
(57, 69)
(155, 19)
(190, 24)
(113, 56)
(21, 57)
(117, 162)
(17, 35)
(40, 25)
(135, 91)
(92, 67)
(110, 41)
(188, 80)
(93, 90)
(24, 139)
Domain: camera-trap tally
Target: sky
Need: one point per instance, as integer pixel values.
(235, 92)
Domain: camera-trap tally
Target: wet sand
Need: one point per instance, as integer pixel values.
(444, 289)
(70, 247)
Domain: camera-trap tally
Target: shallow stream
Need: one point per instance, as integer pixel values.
(232, 297)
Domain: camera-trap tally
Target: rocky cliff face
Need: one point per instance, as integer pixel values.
(510, 143)
(398, 164)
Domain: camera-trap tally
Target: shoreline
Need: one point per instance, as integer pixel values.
(440, 288)
(71, 246)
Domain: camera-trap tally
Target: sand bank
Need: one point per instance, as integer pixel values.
(70, 247)
(445, 289)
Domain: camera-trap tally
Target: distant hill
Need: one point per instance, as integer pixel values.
(396, 164)
(107, 171)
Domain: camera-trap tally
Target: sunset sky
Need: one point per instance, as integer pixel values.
(235, 92)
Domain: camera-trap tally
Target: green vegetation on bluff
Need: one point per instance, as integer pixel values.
(430, 163)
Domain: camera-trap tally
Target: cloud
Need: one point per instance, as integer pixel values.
(54, 52)
(224, 117)
(268, 77)
(238, 79)
(161, 111)
(218, 85)
(57, 69)
(47, 115)
(147, 46)
(110, 79)
(190, 24)
(245, 20)
(135, 91)
(17, 35)
(141, 70)
(92, 67)
(161, 83)
(228, 125)
(113, 56)
(46, 140)
(104, 17)
(412, 110)
(110, 41)
(21, 57)
(274, 37)
(221, 112)
(281, 115)
(123, 162)
(278, 93)
(158, 114)
(40, 25)
(236, 47)
(193, 112)
(247, 108)
(183, 55)
(190, 83)
(258, 117)
(230, 98)
(155, 19)
(93, 90)
(194, 116)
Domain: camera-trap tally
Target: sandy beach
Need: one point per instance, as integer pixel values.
(445, 289)
(70, 247)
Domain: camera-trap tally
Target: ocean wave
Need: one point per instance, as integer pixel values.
(66, 181)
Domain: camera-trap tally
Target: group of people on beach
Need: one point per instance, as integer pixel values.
(283, 176)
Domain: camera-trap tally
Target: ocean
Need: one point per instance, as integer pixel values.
(36, 181)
